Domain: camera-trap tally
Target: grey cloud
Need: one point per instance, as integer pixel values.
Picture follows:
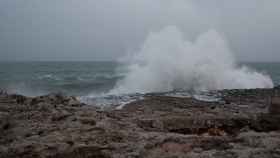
(107, 29)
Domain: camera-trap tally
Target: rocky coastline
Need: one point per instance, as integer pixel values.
(243, 124)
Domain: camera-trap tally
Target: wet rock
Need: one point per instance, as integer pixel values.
(88, 121)
(3, 92)
(266, 123)
(5, 123)
(225, 154)
(215, 143)
(19, 99)
(84, 151)
(60, 116)
(56, 126)
(174, 147)
(56, 99)
(275, 105)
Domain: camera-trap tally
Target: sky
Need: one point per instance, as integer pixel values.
(109, 29)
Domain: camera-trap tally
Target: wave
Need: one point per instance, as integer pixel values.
(49, 77)
(167, 61)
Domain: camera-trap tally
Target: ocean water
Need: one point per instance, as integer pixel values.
(87, 80)
(71, 78)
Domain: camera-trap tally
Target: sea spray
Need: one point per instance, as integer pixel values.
(167, 61)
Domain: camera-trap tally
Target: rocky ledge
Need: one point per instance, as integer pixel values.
(245, 124)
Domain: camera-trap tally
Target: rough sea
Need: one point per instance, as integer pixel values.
(86, 80)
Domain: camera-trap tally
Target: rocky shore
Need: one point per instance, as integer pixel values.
(243, 124)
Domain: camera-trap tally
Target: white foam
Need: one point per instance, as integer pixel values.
(168, 61)
(107, 100)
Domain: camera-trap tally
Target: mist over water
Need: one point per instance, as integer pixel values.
(176, 62)
(94, 82)
(169, 61)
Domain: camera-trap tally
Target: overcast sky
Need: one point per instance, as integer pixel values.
(108, 29)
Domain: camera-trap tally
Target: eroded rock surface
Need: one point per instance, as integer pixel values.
(57, 126)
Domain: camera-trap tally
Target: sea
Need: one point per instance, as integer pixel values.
(89, 81)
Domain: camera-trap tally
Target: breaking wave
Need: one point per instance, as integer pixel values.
(167, 61)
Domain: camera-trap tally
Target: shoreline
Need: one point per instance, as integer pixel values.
(243, 123)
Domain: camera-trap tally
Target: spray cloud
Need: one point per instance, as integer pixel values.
(168, 62)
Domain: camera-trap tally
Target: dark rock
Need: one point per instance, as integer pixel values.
(174, 147)
(275, 105)
(84, 152)
(59, 116)
(89, 121)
